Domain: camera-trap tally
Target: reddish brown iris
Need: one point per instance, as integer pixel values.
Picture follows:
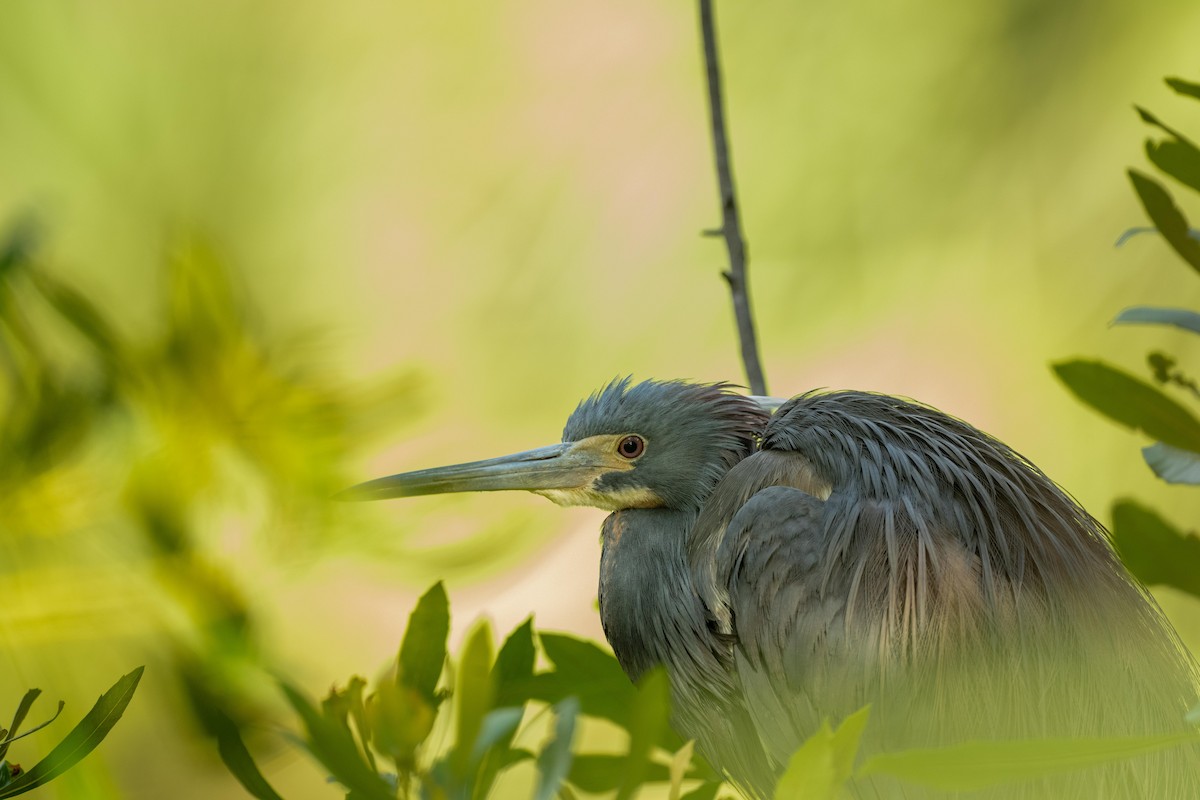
(631, 446)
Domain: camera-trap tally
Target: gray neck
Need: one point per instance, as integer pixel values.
(650, 612)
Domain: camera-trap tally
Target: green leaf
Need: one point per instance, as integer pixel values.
(1184, 87)
(1156, 552)
(12, 736)
(705, 791)
(819, 769)
(1154, 315)
(554, 762)
(1166, 217)
(1172, 464)
(514, 665)
(22, 711)
(80, 313)
(240, 763)
(498, 726)
(473, 695)
(678, 770)
(399, 719)
(423, 651)
(1179, 158)
(333, 745)
(18, 243)
(978, 765)
(650, 718)
(599, 773)
(82, 739)
(1131, 402)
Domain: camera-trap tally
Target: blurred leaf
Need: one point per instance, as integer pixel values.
(81, 313)
(492, 750)
(648, 722)
(705, 791)
(333, 745)
(498, 725)
(1166, 217)
(1184, 87)
(1178, 158)
(1131, 402)
(514, 664)
(679, 767)
(240, 763)
(473, 695)
(18, 243)
(554, 762)
(1172, 464)
(82, 739)
(823, 764)
(1152, 315)
(423, 651)
(586, 671)
(1153, 550)
(344, 705)
(597, 773)
(978, 765)
(399, 720)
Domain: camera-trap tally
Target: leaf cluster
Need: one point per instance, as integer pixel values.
(383, 743)
(82, 739)
(1166, 408)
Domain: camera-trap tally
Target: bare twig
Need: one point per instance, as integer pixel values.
(731, 226)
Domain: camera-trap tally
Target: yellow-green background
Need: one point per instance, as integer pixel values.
(501, 203)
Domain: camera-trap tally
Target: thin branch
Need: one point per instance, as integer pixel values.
(731, 226)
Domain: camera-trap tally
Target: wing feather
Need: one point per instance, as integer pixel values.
(879, 551)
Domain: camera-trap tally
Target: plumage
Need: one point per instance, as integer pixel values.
(856, 548)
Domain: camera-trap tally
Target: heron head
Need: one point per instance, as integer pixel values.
(646, 445)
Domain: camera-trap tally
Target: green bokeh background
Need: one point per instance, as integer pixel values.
(471, 215)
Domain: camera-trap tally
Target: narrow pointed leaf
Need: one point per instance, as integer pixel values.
(82, 739)
(10, 738)
(334, 746)
(473, 696)
(1131, 402)
(514, 665)
(678, 770)
(1172, 464)
(554, 762)
(423, 651)
(1167, 217)
(1181, 318)
(1156, 552)
(651, 714)
(19, 717)
(979, 765)
(1184, 87)
(240, 763)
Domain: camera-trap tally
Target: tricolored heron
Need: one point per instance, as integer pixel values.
(853, 548)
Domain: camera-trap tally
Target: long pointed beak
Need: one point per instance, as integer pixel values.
(560, 466)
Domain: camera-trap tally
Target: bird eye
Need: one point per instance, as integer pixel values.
(631, 446)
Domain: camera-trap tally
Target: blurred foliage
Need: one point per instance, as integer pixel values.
(497, 702)
(150, 437)
(82, 739)
(1155, 551)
